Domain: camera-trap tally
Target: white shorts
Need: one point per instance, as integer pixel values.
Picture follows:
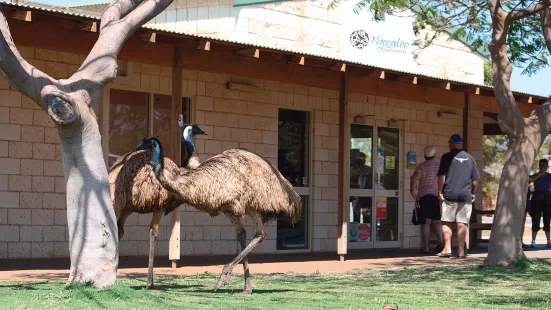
(456, 212)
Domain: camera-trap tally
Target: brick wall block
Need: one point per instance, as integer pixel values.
(43, 184)
(31, 200)
(10, 132)
(4, 148)
(54, 201)
(9, 200)
(21, 149)
(42, 249)
(44, 151)
(19, 216)
(10, 98)
(53, 168)
(21, 116)
(19, 183)
(32, 134)
(19, 250)
(30, 233)
(42, 217)
(61, 249)
(32, 167)
(9, 233)
(54, 233)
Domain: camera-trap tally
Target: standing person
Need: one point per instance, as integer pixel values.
(424, 189)
(540, 204)
(457, 182)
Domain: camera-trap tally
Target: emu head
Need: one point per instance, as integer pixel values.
(191, 130)
(153, 144)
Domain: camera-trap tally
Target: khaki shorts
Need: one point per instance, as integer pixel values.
(456, 211)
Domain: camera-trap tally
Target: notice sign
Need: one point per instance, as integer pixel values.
(364, 232)
(390, 162)
(353, 232)
(381, 208)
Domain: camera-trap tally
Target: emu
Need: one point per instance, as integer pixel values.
(235, 182)
(134, 189)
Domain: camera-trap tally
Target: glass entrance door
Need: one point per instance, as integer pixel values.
(374, 187)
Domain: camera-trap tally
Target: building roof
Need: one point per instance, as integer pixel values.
(74, 12)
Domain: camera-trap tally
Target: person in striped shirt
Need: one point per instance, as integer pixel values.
(424, 189)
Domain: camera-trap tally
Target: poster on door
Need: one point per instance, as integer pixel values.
(364, 232)
(380, 208)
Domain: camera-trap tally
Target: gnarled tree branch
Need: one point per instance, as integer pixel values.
(529, 11)
(546, 24)
(509, 117)
(119, 21)
(24, 76)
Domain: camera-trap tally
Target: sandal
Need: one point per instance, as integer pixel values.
(461, 257)
(446, 255)
(439, 247)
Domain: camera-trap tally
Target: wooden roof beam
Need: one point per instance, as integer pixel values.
(204, 45)
(249, 52)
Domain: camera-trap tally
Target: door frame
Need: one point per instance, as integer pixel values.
(372, 193)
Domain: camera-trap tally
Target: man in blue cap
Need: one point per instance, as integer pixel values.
(457, 182)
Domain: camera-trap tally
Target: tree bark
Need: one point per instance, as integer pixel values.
(72, 104)
(526, 136)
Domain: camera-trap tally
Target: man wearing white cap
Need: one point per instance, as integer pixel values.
(424, 189)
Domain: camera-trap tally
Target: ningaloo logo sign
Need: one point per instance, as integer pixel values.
(360, 39)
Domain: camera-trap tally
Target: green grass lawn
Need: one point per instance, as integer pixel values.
(526, 286)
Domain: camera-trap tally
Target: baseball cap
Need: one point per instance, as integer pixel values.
(456, 139)
(430, 151)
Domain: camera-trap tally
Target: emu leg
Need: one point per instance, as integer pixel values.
(242, 239)
(153, 233)
(121, 218)
(258, 238)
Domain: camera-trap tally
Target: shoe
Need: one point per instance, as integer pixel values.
(461, 257)
(439, 247)
(525, 246)
(549, 244)
(444, 255)
(533, 244)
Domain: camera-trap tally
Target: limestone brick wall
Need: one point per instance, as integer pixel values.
(32, 200)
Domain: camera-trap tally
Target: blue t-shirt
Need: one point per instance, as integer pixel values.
(541, 186)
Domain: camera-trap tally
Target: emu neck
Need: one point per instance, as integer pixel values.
(191, 160)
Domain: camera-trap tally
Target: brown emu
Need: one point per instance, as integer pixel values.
(235, 182)
(134, 189)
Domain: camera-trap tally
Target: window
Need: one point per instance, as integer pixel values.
(293, 163)
(134, 115)
(292, 153)
(128, 121)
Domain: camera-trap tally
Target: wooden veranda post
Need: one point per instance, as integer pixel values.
(342, 242)
(174, 241)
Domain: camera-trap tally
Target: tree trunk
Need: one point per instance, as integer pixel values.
(93, 235)
(526, 136)
(505, 243)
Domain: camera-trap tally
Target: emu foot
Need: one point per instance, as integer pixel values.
(245, 292)
(224, 277)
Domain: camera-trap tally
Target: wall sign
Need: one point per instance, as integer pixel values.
(387, 43)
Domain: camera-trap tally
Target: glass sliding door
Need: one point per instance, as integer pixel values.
(374, 187)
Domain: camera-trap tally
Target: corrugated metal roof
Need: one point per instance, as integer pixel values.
(78, 13)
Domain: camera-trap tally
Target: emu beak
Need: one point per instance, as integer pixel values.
(198, 131)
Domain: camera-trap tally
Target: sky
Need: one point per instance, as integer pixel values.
(537, 84)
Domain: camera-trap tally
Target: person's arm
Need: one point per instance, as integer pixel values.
(473, 193)
(474, 176)
(442, 171)
(441, 181)
(414, 184)
(535, 177)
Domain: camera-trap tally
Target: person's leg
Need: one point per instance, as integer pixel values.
(536, 209)
(436, 215)
(449, 209)
(425, 234)
(463, 218)
(546, 222)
